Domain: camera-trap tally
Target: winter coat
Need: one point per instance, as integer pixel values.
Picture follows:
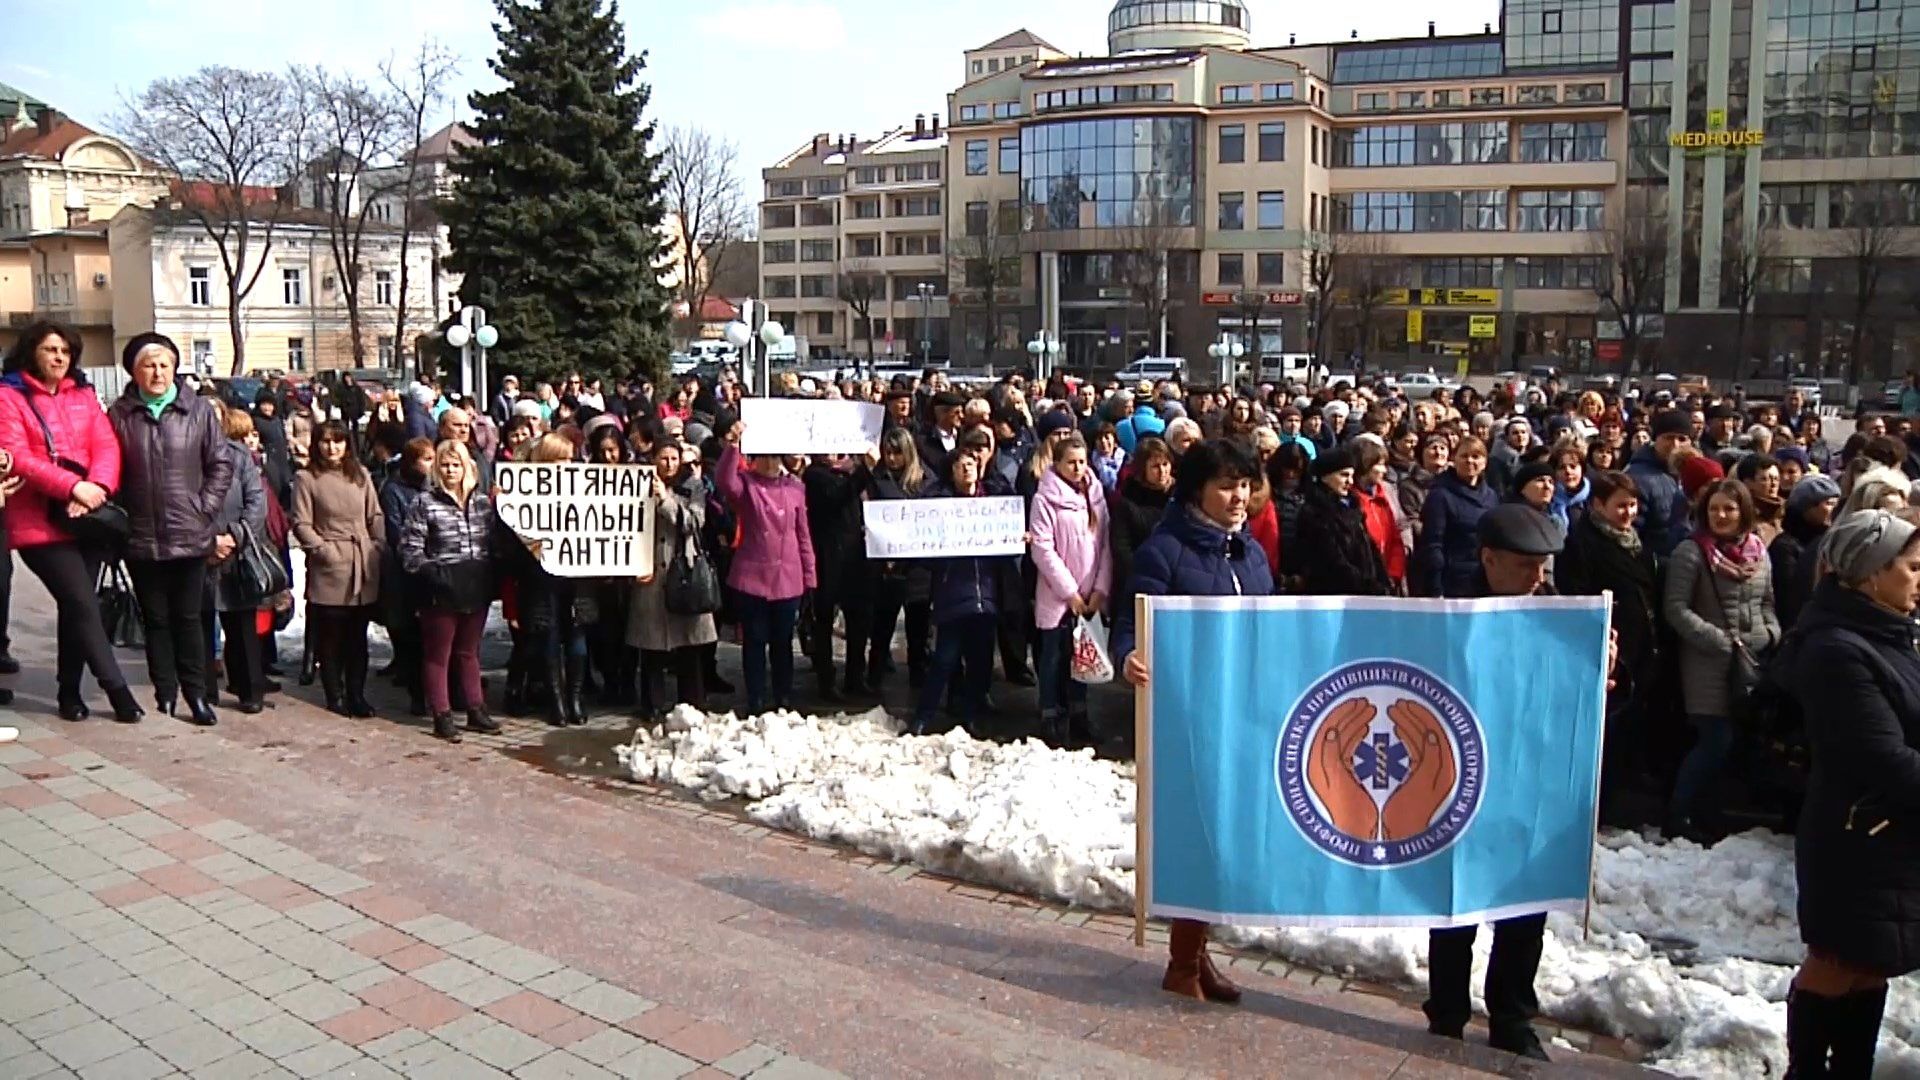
(1702, 607)
(1663, 517)
(681, 514)
(971, 585)
(1188, 555)
(276, 456)
(245, 501)
(837, 525)
(1413, 486)
(1070, 547)
(300, 425)
(912, 573)
(1263, 525)
(398, 590)
(1132, 515)
(420, 422)
(1382, 509)
(775, 559)
(81, 435)
(1592, 563)
(449, 549)
(337, 523)
(1855, 669)
(934, 455)
(1448, 555)
(1335, 556)
(175, 473)
(1794, 554)
(1142, 423)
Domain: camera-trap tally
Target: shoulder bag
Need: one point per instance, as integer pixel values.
(1743, 668)
(691, 587)
(119, 608)
(257, 569)
(106, 525)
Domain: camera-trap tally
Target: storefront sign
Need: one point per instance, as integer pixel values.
(1442, 297)
(1228, 299)
(580, 520)
(1483, 326)
(1608, 352)
(1710, 141)
(1416, 325)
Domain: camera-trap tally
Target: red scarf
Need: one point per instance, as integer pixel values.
(1735, 560)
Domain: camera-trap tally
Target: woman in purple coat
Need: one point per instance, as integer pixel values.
(772, 567)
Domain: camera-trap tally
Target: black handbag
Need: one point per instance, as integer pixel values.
(106, 525)
(256, 570)
(691, 587)
(119, 607)
(464, 586)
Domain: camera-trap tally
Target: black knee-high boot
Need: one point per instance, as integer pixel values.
(1856, 1033)
(1809, 1034)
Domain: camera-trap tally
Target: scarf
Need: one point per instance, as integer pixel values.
(158, 405)
(1735, 560)
(1626, 538)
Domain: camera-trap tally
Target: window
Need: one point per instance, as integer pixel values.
(383, 287)
(1233, 144)
(1447, 99)
(971, 113)
(777, 217)
(1560, 211)
(1487, 95)
(1559, 142)
(1650, 83)
(1650, 30)
(200, 286)
(816, 286)
(297, 354)
(1556, 272)
(979, 67)
(1236, 95)
(866, 209)
(1111, 172)
(1273, 210)
(1009, 214)
(1437, 59)
(916, 206)
(1271, 269)
(1547, 94)
(1550, 21)
(866, 247)
(1374, 102)
(780, 288)
(776, 251)
(977, 218)
(993, 64)
(830, 185)
(977, 150)
(1282, 91)
(293, 286)
(1233, 211)
(816, 251)
(1232, 269)
(1421, 211)
(1007, 110)
(823, 322)
(784, 189)
(1586, 93)
(1458, 273)
(202, 354)
(813, 217)
(1010, 155)
(1379, 145)
(1410, 99)
(1789, 206)
(1273, 141)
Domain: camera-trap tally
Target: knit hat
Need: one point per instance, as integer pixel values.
(1527, 474)
(527, 407)
(1810, 490)
(422, 394)
(1332, 461)
(1671, 422)
(1334, 408)
(1863, 544)
(1796, 454)
(1051, 421)
(140, 342)
(1697, 471)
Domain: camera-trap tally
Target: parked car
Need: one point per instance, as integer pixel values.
(1154, 369)
(1285, 367)
(1422, 384)
(238, 391)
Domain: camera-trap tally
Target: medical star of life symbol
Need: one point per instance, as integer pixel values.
(1380, 763)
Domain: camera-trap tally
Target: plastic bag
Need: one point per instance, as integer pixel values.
(1092, 664)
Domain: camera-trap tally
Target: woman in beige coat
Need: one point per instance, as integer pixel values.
(337, 523)
(665, 639)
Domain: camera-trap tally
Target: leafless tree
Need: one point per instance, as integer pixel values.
(418, 88)
(1367, 275)
(986, 261)
(1632, 282)
(701, 185)
(1145, 253)
(1871, 241)
(1320, 268)
(1744, 267)
(860, 288)
(236, 139)
(359, 130)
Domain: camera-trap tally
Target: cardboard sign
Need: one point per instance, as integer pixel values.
(944, 528)
(581, 520)
(804, 426)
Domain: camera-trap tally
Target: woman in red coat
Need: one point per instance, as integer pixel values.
(53, 425)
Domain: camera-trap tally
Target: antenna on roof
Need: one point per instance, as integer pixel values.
(1486, 28)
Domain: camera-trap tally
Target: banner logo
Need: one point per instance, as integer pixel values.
(1381, 764)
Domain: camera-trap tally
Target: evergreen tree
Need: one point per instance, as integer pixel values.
(555, 217)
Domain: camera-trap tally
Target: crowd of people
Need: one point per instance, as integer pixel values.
(1757, 573)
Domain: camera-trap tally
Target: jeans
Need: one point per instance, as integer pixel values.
(450, 648)
(966, 645)
(768, 628)
(172, 593)
(71, 573)
(1511, 1002)
(1059, 691)
(1703, 764)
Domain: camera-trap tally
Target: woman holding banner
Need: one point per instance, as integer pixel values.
(772, 567)
(904, 584)
(665, 638)
(968, 594)
(1200, 549)
(447, 544)
(554, 612)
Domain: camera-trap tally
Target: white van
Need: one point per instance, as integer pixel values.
(713, 351)
(1285, 367)
(1154, 369)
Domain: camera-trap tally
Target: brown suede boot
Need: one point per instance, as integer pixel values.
(1212, 983)
(1186, 953)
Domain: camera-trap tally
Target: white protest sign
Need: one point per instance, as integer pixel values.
(803, 426)
(943, 528)
(583, 520)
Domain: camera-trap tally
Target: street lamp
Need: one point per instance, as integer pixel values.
(473, 336)
(925, 289)
(1045, 350)
(1225, 352)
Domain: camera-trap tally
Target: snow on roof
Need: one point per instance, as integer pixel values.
(903, 141)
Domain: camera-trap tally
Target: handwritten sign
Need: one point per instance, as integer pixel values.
(802, 426)
(944, 528)
(582, 520)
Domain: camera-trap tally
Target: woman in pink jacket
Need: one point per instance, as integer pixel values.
(772, 567)
(62, 445)
(1068, 524)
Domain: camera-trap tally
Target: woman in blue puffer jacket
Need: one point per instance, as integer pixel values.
(966, 595)
(1201, 548)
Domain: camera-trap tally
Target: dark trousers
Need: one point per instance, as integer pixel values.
(857, 606)
(6, 586)
(71, 573)
(963, 645)
(767, 626)
(1511, 1002)
(240, 645)
(339, 637)
(172, 594)
(688, 664)
(889, 601)
(1060, 693)
(1014, 629)
(450, 649)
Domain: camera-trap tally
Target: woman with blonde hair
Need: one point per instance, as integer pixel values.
(447, 545)
(244, 506)
(1876, 487)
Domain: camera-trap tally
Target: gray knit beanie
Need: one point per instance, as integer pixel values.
(1863, 544)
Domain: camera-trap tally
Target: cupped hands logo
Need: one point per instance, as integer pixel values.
(1380, 764)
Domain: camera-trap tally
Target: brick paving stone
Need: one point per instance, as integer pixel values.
(149, 961)
(238, 1011)
(427, 1010)
(278, 1036)
(316, 1001)
(85, 1045)
(186, 846)
(188, 814)
(119, 997)
(651, 1062)
(483, 991)
(178, 879)
(560, 1065)
(362, 1069)
(64, 1018)
(447, 974)
(530, 1012)
(361, 1025)
(146, 825)
(605, 1001)
(438, 930)
(573, 1031)
(414, 957)
(243, 1065)
(559, 984)
(456, 1066)
(658, 1022)
(322, 915)
(138, 1063)
(491, 1041)
(387, 1046)
(297, 899)
(518, 964)
(384, 906)
(792, 1068)
(379, 941)
(607, 1047)
(105, 804)
(321, 1059)
(271, 887)
(280, 980)
(385, 993)
(367, 977)
(156, 1019)
(142, 859)
(705, 1041)
(745, 1060)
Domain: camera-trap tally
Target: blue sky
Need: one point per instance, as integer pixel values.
(766, 73)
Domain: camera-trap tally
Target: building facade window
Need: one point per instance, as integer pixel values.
(203, 354)
(785, 189)
(1415, 62)
(1587, 93)
(977, 218)
(916, 206)
(1410, 99)
(816, 286)
(1538, 94)
(777, 217)
(1446, 99)
(1557, 272)
(1007, 110)
(776, 251)
(1384, 145)
(1233, 144)
(1232, 268)
(866, 209)
(1842, 80)
(1110, 172)
(1233, 211)
(1562, 141)
(200, 286)
(826, 185)
(1276, 91)
(1273, 210)
(383, 287)
(823, 322)
(1421, 211)
(1010, 155)
(1370, 102)
(816, 216)
(1121, 94)
(865, 247)
(1236, 95)
(977, 151)
(1788, 206)
(1271, 269)
(1459, 273)
(297, 354)
(1650, 28)
(1560, 211)
(1273, 141)
(1561, 33)
(816, 251)
(293, 286)
(780, 288)
(1487, 95)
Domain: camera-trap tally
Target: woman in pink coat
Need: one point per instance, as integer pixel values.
(62, 445)
(772, 568)
(1068, 524)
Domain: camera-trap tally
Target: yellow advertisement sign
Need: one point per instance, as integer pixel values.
(1717, 140)
(1416, 326)
(1442, 297)
(1483, 326)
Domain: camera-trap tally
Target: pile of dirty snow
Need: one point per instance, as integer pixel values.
(1690, 951)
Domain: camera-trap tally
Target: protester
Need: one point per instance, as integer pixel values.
(668, 639)
(1068, 526)
(555, 613)
(1431, 460)
(1380, 504)
(336, 521)
(241, 520)
(967, 596)
(1447, 561)
(176, 471)
(1570, 487)
(1796, 551)
(399, 590)
(902, 585)
(1664, 506)
(1136, 512)
(447, 544)
(834, 485)
(1334, 555)
(772, 567)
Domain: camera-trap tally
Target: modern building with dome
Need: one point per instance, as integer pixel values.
(1584, 181)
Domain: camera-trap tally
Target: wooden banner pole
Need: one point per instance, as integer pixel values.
(1142, 770)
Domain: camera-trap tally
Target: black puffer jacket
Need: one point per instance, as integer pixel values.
(1334, 555)
(1132, 515)
(835, 520)
(1855, 671)
(174, 474)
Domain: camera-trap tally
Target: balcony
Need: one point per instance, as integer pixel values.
(77, 317)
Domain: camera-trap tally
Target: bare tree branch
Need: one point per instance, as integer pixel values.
(417, 86)
(986, 261)
(1744, 267)
(358, 130)
(1632, 283)
(700, 181)
(1870, 240)
(860, 287)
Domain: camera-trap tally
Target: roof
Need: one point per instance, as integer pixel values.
(445, 143)
(12, 100)
(28, 141)
(904, 141)
(1019, 39)
(718, 309)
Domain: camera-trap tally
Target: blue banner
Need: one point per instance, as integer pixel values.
(1322, 761)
